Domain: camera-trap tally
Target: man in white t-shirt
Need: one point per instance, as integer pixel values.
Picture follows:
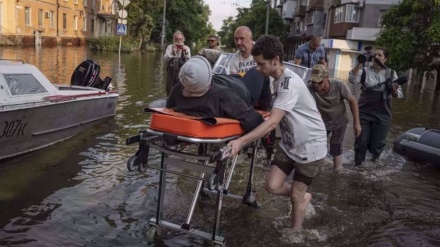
(242, 60)
(304, 138)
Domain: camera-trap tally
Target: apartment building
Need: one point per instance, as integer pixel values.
(346, 26)
(55, 22)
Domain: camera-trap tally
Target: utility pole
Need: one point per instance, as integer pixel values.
(163, 23)
(267, 17)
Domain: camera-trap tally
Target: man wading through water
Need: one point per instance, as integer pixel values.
(175, 56)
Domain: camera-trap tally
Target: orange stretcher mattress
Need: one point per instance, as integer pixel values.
(167, 120)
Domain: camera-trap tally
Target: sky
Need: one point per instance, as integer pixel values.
(222, 9)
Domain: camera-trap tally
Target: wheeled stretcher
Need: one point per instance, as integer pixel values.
(196, 145)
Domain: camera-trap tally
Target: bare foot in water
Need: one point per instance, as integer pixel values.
(299, 212)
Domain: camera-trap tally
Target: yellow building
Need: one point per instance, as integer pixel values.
(54, 22)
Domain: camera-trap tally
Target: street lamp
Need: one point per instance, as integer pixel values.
(163, 23)
(267, 17)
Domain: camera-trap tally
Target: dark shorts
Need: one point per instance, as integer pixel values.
(336, 140)
(303, 172)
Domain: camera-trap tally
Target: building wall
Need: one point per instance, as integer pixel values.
(371, 13)
(65, 22)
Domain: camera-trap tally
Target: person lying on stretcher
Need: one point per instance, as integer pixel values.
(196, 95)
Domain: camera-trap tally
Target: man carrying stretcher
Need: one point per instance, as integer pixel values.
(304, 139)
(196, 95)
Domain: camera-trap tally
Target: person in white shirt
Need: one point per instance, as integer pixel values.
(175, 56)
(242, 60)
(304, 138)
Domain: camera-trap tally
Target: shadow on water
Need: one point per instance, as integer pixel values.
(26, 180)
(79, 192)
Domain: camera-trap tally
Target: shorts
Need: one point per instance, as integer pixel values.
(303, 172)
(336, 140)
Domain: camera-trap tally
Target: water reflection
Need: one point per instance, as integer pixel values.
(79, 193)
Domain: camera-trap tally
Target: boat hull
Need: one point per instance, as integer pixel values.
(31, 128)
(419, 144)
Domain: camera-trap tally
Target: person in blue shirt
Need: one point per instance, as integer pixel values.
(310, 54)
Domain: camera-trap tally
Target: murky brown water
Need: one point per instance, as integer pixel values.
(79, 192)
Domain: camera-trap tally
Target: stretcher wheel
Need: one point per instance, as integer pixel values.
(213, 181)
(130, 163)
(142, 167)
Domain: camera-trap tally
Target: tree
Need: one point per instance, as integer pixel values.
(255, 18)
(411, 33)
(189, 16)
(140, 19)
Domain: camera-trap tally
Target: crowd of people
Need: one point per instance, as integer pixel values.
(310, 115)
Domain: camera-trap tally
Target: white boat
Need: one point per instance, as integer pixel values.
(34, 113)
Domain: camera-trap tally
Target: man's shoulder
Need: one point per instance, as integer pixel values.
(303, 47)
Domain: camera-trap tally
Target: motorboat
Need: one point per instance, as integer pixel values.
(419, 144)
(36, 113)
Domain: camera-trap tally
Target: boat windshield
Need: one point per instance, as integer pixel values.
(22, 84)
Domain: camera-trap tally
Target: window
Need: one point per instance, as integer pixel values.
(85, 3)
(84, 24)
(92, 26)
(352, 13)
(93, 3)
(339, 14)
(310, 17)
(40, 17)
(64, 21)
(27, 16)
(52, 19)
(75, 22)
(22, 84)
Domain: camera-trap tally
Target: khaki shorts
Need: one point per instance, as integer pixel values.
(303, 172)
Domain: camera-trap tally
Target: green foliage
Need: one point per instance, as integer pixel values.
(255, 18)
(111, 43)
(189, 16)
(412, 35)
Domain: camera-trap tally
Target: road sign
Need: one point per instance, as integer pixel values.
(122, 21)
(124, 2)
(122, 13)
(121, 29)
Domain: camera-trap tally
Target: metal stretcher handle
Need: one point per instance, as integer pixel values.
(192, 139)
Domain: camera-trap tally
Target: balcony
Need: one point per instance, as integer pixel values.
(289, 8)
(349, 1)
(300, 11)
(363, 33)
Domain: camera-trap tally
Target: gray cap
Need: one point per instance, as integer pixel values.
(195, 75)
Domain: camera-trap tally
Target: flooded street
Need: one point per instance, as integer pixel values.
(80, 193)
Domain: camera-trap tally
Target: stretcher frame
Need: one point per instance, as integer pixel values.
(214, 175)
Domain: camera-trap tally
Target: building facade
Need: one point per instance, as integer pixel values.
(346, 27)
(55, 22)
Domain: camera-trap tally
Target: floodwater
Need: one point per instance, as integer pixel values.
(79, 192)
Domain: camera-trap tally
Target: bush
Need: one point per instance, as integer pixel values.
(111, 43)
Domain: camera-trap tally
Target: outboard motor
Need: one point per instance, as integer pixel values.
(87, 75)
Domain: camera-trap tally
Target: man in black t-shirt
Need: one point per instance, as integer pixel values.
(196, 95)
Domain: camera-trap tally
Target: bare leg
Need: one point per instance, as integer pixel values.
(337, 162)
(300, 198)
(276, 182)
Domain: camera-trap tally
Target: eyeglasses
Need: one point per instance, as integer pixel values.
(211, 40)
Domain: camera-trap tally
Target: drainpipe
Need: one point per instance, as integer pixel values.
(58, 14)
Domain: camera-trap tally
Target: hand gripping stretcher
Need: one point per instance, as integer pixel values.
(171, 133)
